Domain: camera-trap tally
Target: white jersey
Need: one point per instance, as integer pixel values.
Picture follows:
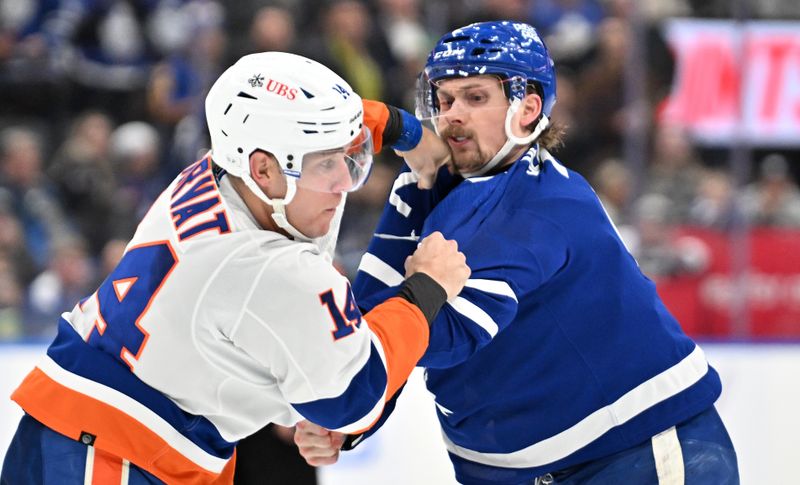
(210, 328)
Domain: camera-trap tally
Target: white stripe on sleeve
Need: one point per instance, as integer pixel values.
(474, 313)
(405, 178)
(492, 286)
(378, 269)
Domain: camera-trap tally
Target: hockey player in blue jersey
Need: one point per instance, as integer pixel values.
(557, 363)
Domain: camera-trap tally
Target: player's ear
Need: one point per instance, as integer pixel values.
(267, 174)
(531, 108)
(527, 114)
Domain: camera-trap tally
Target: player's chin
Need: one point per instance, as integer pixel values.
(321, 226)
(467, 164)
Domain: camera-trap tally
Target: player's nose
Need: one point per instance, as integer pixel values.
(341, 180)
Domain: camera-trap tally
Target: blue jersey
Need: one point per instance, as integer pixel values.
(558, 350)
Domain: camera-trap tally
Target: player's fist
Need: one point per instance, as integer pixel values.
(440, 259)
(318, 445)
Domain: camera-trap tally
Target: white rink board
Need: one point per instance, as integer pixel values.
(759, 403)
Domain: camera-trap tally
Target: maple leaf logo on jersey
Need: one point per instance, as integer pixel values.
(256, 81)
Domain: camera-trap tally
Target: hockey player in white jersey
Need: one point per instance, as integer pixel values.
(225, 312)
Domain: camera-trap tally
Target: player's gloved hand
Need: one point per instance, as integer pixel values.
(440, 259)
(376, 117)
(423, 151)
(317, 445)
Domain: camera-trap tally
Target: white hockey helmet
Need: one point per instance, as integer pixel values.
(299, 111)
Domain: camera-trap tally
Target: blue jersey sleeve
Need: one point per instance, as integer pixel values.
(509, 253)
(396, 236)
(507, 261)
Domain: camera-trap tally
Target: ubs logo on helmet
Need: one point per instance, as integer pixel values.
(256, 81)
(281, 89)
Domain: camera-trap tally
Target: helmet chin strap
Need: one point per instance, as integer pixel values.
(279, 206)
(512, 140)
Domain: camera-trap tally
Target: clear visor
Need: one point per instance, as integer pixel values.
(428, 102)
(337, 170)
(424, 106)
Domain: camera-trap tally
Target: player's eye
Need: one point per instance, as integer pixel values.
(326, 164)
(445, 102)
(476, 97)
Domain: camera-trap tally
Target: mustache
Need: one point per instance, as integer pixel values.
(455, 131)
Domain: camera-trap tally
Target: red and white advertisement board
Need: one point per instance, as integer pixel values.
(769, 290)
(736, 81)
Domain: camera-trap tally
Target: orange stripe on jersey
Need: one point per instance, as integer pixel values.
(107, 468)
(403, 331)
(71, 413)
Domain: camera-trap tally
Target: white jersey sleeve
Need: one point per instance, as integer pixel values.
(302, 323)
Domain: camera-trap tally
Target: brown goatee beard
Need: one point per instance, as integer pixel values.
(463, 161)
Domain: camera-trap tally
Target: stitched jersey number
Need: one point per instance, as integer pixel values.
(125, 296)
(346, 321)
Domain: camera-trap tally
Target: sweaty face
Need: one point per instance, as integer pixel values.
(471, 119)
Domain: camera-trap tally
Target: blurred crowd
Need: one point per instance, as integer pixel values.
(101, 104)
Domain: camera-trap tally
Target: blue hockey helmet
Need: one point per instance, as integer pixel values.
(512, 51)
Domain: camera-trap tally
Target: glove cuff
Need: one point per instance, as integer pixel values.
(410, 130)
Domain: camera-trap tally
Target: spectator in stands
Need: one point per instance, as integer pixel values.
(24, 189)
(401, 24)
(178, 82)
(135, 155)
(273, 29)
(578, 145)
(352, 47)
(659, 251)
(82, 173)
(11, 324)
(106, 49)
(13, 247)
(675, 170)
(612, 181)
(67, 280)
(25, 66)
(600, 88)
(569, 26)
(487, 10)
(773, 199)
(16, 271)
(715, 205)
